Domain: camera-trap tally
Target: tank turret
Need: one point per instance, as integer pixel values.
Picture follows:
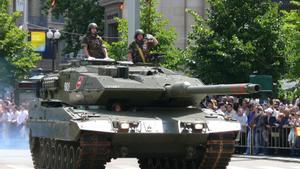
(104, 83)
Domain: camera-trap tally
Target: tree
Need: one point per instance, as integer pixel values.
(17, 56)
(291, 28)
(78, 14)
(237, 39)
(152, 22)
(118, 50)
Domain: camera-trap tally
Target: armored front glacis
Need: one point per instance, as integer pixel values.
(97, 110)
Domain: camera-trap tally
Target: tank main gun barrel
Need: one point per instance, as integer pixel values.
(186, 89)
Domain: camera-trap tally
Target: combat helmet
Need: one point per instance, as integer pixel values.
(92, 25)
(139, 31)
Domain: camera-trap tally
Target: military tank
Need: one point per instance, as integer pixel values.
(97, 110)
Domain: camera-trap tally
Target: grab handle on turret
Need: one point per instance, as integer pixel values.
(186, 89)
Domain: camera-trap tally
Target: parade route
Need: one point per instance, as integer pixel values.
(21, 159)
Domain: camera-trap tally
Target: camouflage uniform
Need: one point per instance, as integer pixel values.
(145, 48)
(94, 45)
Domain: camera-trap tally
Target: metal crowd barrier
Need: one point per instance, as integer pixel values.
(268, 141)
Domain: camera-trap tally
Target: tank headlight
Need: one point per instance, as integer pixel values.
(124, 126)
(198, 126)
(134, 124)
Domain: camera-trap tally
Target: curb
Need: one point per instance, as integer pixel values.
(283, 159)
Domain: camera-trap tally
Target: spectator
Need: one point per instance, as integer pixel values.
(281, 121)
(241, 117)
(222, 109)
(251, 128)
(245, 106)
(269, 122)
(275, 106)
(22, 117)
(259, 128)
(1, 113)
(269, 118)
(230, 112)
(210, 105)
(292, 135)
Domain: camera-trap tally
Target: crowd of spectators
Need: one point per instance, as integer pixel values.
(266, 125)
(13, 120)
(12, 114)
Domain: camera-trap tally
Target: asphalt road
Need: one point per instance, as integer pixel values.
(21, 159)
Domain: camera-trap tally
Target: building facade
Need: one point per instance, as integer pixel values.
(113, 8)
(174, 10)
(38, 22)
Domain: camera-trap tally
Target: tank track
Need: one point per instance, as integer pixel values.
(219, 149)
(217, 154)
(167, 163)
(93, 151)
(90, 152)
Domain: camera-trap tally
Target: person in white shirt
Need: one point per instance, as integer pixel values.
(22, 117)
(222, 109)
(9, 116)
(1, 113)
(241, 117)
(230, 111)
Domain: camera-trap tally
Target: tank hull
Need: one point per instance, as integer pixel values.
(157, 135)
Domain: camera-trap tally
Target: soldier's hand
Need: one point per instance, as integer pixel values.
(149, 37)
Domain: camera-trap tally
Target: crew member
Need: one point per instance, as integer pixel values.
(92, 44)
(139, 49)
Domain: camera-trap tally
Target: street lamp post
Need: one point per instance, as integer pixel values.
(54, 37)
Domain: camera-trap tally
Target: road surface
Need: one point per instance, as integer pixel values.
(21, 159)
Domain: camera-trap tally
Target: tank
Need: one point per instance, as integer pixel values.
(97, 110)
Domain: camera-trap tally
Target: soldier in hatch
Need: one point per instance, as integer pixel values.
(139, 49)
(92, 44)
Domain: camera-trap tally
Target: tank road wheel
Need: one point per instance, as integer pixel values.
(53, 157)
(59, 157)
(35, 150)
(42, 153)
(65, 159)
(48, 155)
(72, 163)
(77, 158)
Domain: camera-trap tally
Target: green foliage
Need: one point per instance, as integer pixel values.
(13, 49)
(291, 29)
(237, 38)
(118, 50)
(78, 14)
(152, 22)
(290, 94)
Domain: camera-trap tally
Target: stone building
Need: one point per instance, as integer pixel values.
(174, 10)
(37, 21)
